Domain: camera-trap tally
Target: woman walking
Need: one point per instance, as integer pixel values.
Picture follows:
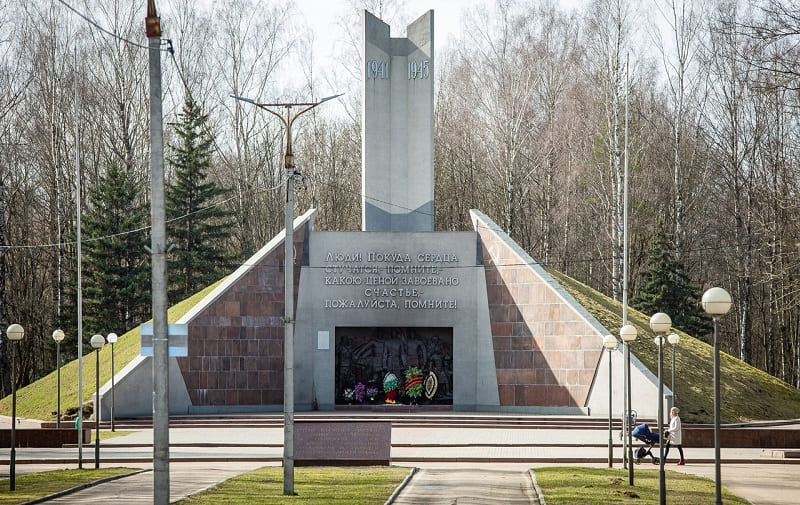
(674, 432)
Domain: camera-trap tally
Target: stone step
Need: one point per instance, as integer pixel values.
(415, 420)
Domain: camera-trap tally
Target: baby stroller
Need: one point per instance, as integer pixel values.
(650, 439)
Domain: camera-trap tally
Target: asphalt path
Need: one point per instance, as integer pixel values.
(185, 479)
(468, 486)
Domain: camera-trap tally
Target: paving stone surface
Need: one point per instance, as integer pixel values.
(468, 487)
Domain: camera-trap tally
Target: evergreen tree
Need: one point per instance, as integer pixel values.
(665, 287)
(197, 227)
(116, 267)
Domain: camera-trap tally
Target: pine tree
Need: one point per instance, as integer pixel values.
(665, 287)
(198, 227)
(116, 267)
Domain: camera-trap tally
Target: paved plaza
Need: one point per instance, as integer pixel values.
(446, 459)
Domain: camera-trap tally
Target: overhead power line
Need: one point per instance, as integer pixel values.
(128, 232)
(96, 25)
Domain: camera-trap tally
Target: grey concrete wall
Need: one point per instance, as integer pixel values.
(133, 391)
(323, 306)
(644, 388)
(397, 126)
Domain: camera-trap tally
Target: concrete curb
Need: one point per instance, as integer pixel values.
(539, 494)
(402, 486)
(396, 459)
(82, 487)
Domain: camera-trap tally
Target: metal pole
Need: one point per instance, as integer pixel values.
(13, 460)
(662, 489)
(112, 387)
(58, 386)
(626, 414)
(79, 424)
(717, 473)
(288, 342)
(610, 438)
(159, 265)
(673, 374)
(97, 409)
(629, 433)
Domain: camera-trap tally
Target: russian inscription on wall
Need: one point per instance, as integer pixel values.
(391, 280)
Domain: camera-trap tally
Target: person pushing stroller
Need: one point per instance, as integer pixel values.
(643, 434)
(674, 435)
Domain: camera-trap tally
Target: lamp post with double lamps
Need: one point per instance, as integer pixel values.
(628, 334)
(673, 339)
(112, 339)
(58, 336)
(97, 343)
(716, 303)
(14, 332)
(660, 323)
(610, 343)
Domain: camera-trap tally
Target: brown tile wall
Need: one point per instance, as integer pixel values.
(236, 344)
(545, 353)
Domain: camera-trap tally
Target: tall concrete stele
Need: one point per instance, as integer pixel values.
(397, 127)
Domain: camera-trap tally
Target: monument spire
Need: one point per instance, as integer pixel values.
(397, 127)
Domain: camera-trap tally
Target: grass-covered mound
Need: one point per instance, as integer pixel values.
(38, 399)
(747, 393)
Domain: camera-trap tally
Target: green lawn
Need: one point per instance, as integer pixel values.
(604, 486)
(312, 485)
(37, 485)
(748, 394)
(38, 400)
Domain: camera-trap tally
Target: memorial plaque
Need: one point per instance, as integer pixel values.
(342, 443)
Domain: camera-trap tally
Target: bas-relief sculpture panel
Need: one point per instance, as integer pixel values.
(366, 354)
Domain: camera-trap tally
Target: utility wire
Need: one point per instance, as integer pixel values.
(96, 25)
(188, 91)
(373, 199)
(127, 232)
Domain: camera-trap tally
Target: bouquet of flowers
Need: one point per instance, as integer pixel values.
(348, 394)
(359, 391)
(413, 382)
(372, 392)
(390, 387)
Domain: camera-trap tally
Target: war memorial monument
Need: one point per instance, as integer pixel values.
(468, 315)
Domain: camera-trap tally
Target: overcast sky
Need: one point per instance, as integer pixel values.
(322, 16)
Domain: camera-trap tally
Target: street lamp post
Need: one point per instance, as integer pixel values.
(14, 332)
(673, 339)
(660, 323)
(112, 339)
(97, 343)
(628, 334)
(716, 303)
(288, 335)
(58, 336)
(610, 343)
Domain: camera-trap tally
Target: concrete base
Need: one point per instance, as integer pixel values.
(133, 395)
(547, 411)
(234, 409)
